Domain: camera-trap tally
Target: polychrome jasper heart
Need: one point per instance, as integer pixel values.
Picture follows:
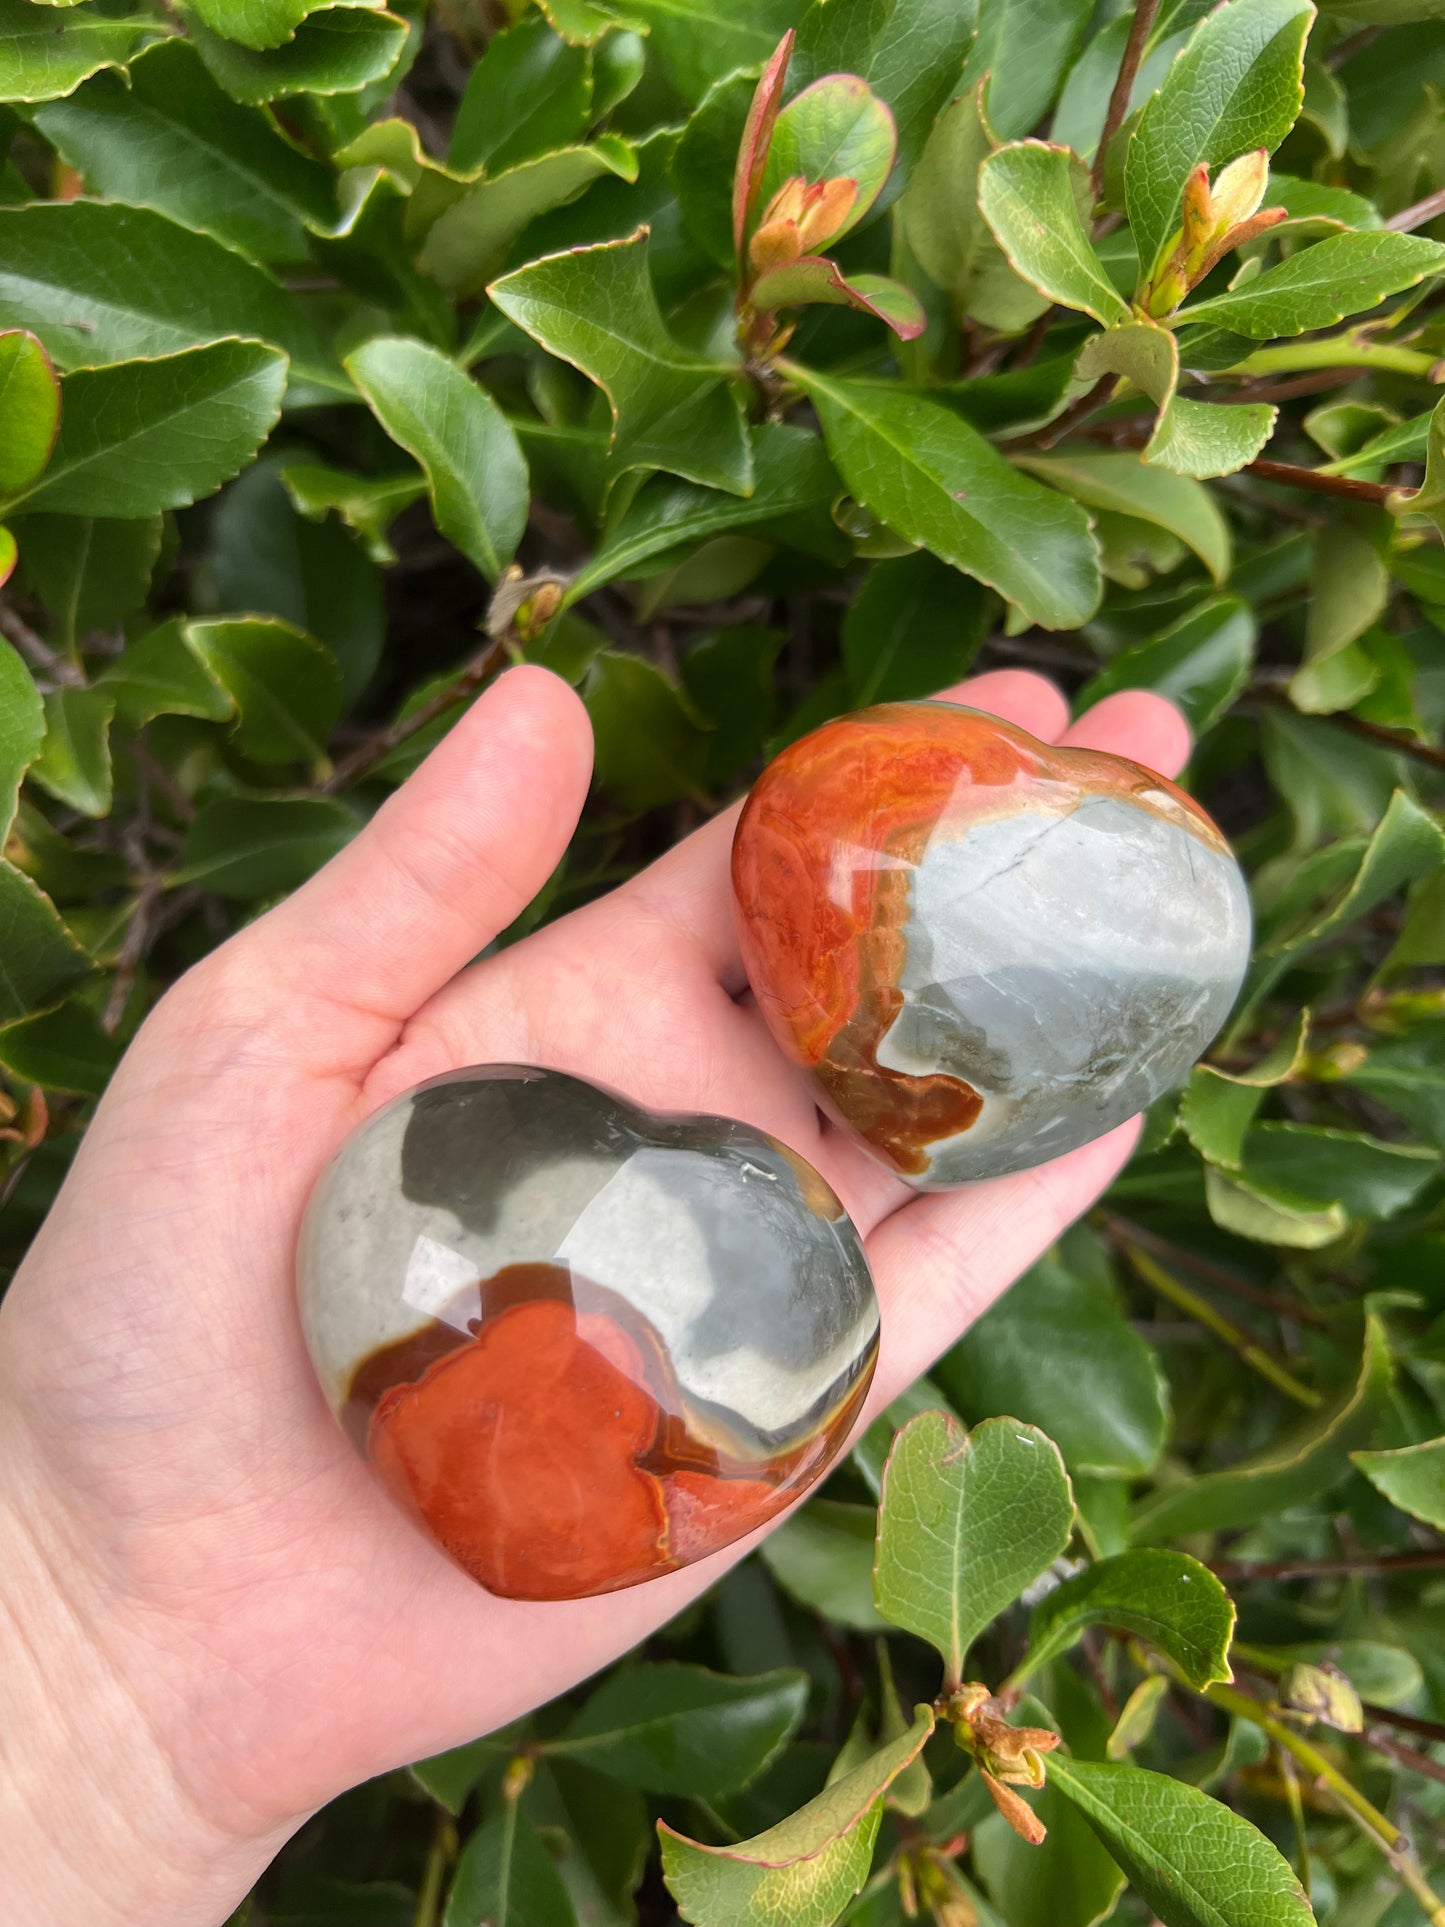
(987, 950)
(582, 1343)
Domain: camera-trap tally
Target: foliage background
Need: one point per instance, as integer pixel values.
(238, 617)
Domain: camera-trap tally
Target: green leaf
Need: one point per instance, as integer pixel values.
(1324, 1167)
(1057, 1350)
(1201, 662)
(285, 685)
(30, 409)
(1322, 284)
(1408, 1074)
(505, 1875)
(1411, 1477)
(1024, 47)
(967, 1520)
(170, 139)
(1349, 588)
(62, 1050)
(74, 766)
(596, 309)
(1121, 483)
(90, 571)
(936, 482)
(99, 283)
(38, 956)
(22, 730)
(814, 279)
(913, 630)
(649, 745)
(367, 505)
(823, 1557)
(339, 48)
(260, 846)
(909, 52)
(44, 56)
(1238, 85)
(1030, 195)
(792, 476)
(1166, 1598)
(697, 42)
(9, 555)
(835, 128)
(1406, 843)
(1429, 498)
(257, 23)
(161, 674)
(1299, 1467)
(806, 1868)
(669, 1728)
(469, 241)
(529, 94)
(1197, 438)
(141, 436)
(1194, 1861)
(476, 475)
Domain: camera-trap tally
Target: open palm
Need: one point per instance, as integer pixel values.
(258, 1618)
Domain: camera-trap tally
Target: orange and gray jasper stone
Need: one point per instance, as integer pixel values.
(986, 950)
(582, 1343)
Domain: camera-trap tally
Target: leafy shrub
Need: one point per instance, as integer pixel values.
(349, 352)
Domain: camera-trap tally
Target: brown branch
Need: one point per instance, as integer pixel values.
(1394, 740)
(1410, 218)
(1145, 12)
(1239, 1571)
(370, 752)
(1312, 479)
(1409, 1756)
(1406, 1722)
(1125, 1231)
(38, 649)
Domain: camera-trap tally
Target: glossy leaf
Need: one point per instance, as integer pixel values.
(1300, 1466)
(30, 408)
(529, 94)
(967, 1520)
(649, 742)
(1196, 1863)
(506, 1874)
(1119, 482)
(1030, 196)
(167, 137)
(913, 630)
(909, 52)
(1322, 284)
(476, 475)
(141, 436)
(813, 279)
(257, 23)
(38, 956)
(1195, 438)
(255, 847)
(697, 42)
(74, 765)
(837, 128)
(367, 505)
(162, 674)
(670, 410)
(1024, 47)
(823, 1557)
(940, 485)
(100, 283)
(62, 1050)
(1411, 1477)
(90, 571)
(44, 56)
(285, 686)
(1057, 1350)
(810, 1864)
(680, 1729)
(1166, 1598)
(22, 730)
(1201, 663)
(1368, 1178)
(1237, 86)
(340, 47)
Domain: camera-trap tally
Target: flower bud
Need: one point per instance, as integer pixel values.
(1322, 1693)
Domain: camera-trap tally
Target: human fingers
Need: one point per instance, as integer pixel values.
(1138, 724)
(446, 863)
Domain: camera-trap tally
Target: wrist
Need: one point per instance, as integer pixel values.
(97, 1819)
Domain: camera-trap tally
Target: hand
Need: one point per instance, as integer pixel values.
(226, 1621)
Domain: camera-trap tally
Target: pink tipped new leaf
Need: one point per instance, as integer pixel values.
(814, 280)
(757, 137)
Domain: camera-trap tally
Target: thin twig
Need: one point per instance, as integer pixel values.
(38, 649)
(369, 753)
(1241, 1571)
(1318, 483)
(1124, 1230)
(1240, 1342)
(1139, 28)
(1408, 1756)
(1379, 733)
(1406, 1722)
(1410, 218)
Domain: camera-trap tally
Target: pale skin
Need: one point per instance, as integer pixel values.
(213, 1620)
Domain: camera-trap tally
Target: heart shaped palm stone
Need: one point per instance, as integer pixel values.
(986, 950)
(582, 1343)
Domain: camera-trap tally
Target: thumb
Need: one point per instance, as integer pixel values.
(448, 861)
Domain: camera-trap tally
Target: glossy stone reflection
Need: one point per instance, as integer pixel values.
(988, 951)
(582, 1343)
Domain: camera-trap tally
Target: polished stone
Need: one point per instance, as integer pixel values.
(987, 950)
(580, 1342)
